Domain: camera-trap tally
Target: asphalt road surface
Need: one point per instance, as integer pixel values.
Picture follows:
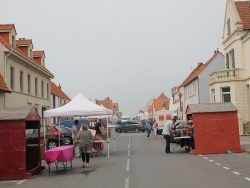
(142, 163)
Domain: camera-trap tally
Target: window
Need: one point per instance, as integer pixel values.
(226, 96)
(21, 81)
(12, 77)
(47, 91)
(42, 92)
(35, 86)
(228, 27)
(227, 61)
(13, 41)
(212, 96)
(31, 53)
(232, 60)
(28, 79)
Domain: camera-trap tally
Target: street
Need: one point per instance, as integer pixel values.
(140, 163)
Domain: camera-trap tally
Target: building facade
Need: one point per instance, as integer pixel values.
(58, 98)
(25, 77)
(109, 104)
(231, 84)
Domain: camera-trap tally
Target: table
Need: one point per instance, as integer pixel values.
(179, 141)
(98, 145)
(61, 154)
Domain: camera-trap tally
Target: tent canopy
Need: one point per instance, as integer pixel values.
(78, 106)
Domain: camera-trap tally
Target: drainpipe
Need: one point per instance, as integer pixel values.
(5, 71)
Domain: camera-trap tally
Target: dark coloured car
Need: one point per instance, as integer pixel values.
(180, 128)
(67, 140)
(130, 126)
(51, 134)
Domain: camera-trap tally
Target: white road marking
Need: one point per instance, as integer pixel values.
(9, 181)
(237, 173)
(21, 182)
(200, 155)
(127, 183)
(205, 157)
(128, 145)
(226, 168)
(218, 164)
(247, 178)
(127, 167)
(211, 161)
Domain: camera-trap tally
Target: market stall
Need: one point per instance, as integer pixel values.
(215, 127)
(80, 106)
(19, 159)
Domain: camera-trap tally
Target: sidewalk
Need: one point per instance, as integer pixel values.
(245, 143)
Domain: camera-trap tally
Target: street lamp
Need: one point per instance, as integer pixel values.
(180, 95)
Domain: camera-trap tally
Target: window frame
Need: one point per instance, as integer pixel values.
(36, 86)
(21, 81)
(225, 93)
(29, 83)
(12, 77)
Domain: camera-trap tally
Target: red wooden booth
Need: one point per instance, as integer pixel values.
(19, 160)
(216, 127)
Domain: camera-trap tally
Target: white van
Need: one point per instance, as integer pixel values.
(161, 117)
(125, 118)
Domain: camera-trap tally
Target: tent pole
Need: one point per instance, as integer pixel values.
(108, 136)
(114, 137)
(59, 130)
(44, 135)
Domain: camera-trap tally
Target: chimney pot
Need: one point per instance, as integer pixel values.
(59, 86)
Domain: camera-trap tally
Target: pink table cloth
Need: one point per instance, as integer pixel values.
(61, 153)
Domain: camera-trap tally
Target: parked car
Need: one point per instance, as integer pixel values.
(67, 140)
(180, 129)
(69, 123)
(130, 126)
(51, 134)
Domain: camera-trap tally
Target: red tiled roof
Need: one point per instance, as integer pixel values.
(10, 47)
(3, 85)
(161, 102)
(198, 70)
(244, 13)
(24, 42)
(38, 53)
(115, 104)
(6, 27)
(107, 103)
(162, 96)
(158, 104)
(56, 90)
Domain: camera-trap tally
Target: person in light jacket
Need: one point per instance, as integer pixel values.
(167, 132)
(86, 139)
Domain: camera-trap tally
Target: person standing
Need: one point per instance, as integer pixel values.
(148, 128)
(86, 140)
(74, 133)
(98, 128)
(190, 128)
(167, 132)
(155, 126)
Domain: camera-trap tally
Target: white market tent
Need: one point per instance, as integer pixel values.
(82, 107)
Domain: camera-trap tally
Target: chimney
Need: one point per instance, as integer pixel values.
(59, 86)
(200, 63)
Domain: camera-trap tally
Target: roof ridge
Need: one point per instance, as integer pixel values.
(17, 50)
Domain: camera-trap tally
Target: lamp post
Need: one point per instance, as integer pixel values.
(180, 95)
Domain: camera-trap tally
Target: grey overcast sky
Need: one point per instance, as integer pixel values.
(129, 50)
